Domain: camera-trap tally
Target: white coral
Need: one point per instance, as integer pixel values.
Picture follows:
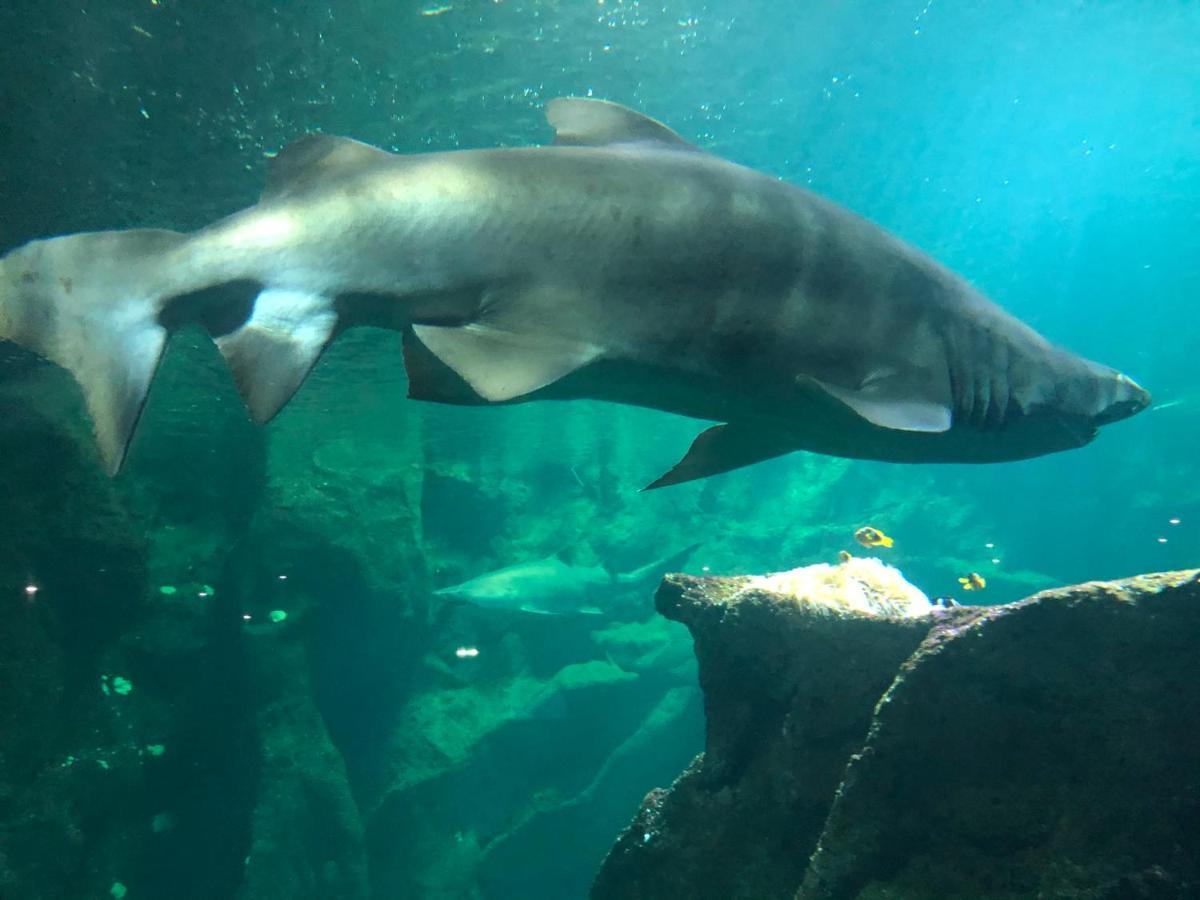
(860, 584)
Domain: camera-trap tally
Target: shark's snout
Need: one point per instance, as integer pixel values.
(1127, 398)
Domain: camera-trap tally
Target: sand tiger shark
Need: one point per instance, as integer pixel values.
(552, 586)
(620, 263)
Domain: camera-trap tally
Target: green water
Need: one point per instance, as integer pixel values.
(1050, 152)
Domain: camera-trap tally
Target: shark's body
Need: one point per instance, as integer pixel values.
(620, 264)
(552, 586)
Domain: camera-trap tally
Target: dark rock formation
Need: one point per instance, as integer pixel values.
(219, 676)
(1045, 748)
(122, 702)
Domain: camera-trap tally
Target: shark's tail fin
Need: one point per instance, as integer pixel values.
(96, 304)
(658, 568)
(91, 303)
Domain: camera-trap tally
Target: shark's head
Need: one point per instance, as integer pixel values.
(1094, 394)
(483, 591)
(1120, 398)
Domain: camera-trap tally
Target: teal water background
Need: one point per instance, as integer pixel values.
(1050, 152)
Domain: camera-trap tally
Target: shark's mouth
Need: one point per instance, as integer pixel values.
(1132, 399)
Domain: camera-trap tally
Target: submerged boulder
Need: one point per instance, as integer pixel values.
(1042, 748)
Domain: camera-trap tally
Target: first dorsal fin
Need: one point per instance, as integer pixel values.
(586, 122)
(314, 158)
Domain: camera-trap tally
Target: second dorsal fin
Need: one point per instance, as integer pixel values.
(316, 157)
(585, 122)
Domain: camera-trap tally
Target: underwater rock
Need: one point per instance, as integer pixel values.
(789, 687)
(356, 487)
(516, 863)
(67, 760)
(306, 835)
(488, 775)
(1041, 748)
(122, 705)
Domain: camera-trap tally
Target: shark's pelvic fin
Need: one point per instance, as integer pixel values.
(431, 379)
(273, 352)
(582, 121)
(315, 159)
(502, 365)
(90, 303)
(723, 448)
(521, 340)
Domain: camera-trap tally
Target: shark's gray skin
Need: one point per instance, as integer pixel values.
(620, 264)
(551, 586)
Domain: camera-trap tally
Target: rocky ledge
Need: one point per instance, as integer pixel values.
(1044, 748)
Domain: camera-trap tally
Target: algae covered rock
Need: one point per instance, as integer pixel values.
(121, 700)
(789, 684)
(1042, 748)
(486, 775)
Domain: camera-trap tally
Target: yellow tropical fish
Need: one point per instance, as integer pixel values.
(973, 581)
(872, 537)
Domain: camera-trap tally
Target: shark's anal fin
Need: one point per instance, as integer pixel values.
(522, 339)
(723, 448)
(273, 352)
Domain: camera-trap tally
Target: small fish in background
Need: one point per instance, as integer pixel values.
(551, 586)
(844, 556)
(872, 537)
(973, 581)
(946, 602)
(1170, 404)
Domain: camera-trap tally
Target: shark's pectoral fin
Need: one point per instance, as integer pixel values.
(522, 340)
(723, 448)
(273, 352)
(885, 400)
